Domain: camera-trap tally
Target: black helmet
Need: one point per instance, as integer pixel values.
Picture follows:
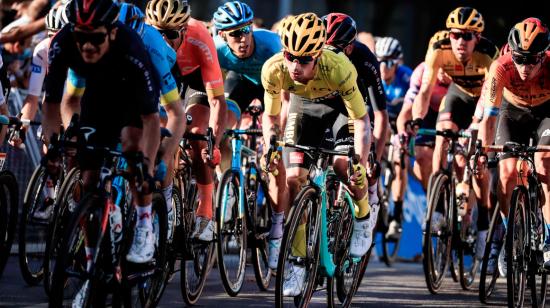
(341, 29)
(92, 13)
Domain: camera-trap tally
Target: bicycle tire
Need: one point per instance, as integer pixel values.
(234, 230)
(486, 288)
(60, 220)
(9, 203)
(515, 252)
(468, 265)
(440, 192)
(91, 212)
(538, 283)
(299, 208)
(259, 228)
(31, 274)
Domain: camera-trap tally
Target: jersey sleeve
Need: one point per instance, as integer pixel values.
(57, 68)
(415, 83)
(491, 94)
(39, 65)
(141, 74)
(75, 84)
(158, 52)
(211, 72)
(345, 77)
(369, 74)
(272, 83)
(432, 66)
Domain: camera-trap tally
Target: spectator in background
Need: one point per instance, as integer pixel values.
(366, 38)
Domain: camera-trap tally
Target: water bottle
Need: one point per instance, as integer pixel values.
(115, 220)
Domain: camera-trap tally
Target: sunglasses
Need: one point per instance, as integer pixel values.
(240, 32)
(388, 62)
(170, 33)
(301, 59)
(525, 59)
(94, 38)
(467, 36)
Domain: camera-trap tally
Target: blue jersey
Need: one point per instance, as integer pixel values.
(162, 56)
(266, 44)
(395, 92)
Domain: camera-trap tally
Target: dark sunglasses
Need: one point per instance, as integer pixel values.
(301, 59)
(467, 36)
(388, 62)
(525, 59)
(240, 32)
(170, 34)
(94, 38)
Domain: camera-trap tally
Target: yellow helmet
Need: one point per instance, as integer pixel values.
(465, 18)
(438, 36)
(281, 24)
(304, 35)
(168, 14)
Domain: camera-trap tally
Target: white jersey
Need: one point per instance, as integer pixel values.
(38, 67)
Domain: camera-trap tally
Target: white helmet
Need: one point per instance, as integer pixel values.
(388, 48)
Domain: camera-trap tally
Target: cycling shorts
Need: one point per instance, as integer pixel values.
(458, 107)
(241, 90)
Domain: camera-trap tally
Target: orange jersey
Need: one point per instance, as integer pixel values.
(199, 52)
(504, 80)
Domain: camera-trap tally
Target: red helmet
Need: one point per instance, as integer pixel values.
(530, 36)
(92, 13)
(341, 29)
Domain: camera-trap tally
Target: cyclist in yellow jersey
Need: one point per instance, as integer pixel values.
(517, 90)
(323, 95)
(465, 57)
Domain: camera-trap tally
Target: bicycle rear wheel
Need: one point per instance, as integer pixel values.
(516, 245)
(9, 203)
(302, 232)
(487, 282)
(259, 224)
(436, 245)
(538, 283)
(232, 233)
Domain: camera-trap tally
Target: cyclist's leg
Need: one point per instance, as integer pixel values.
(199, 109)
(424, 149)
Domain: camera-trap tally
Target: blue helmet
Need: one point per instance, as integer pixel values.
(232, 15)
(132, 16)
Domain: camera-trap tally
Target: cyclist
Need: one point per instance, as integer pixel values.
(324, 92)
(242, 51)
(424, 144)
(118, 100)
(465, 57)
(396, 79)
(517, 90)
(202, 80)
(163, 58)
(341, 37)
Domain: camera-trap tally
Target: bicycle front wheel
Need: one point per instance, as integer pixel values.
(495, 236)
(436, 245)
(259, 213)
(9, 202)
(516, 245)
(299, 254)
(232, 235)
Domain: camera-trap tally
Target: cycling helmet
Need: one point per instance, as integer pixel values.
(388, 48)
(341, 29)
(168, 14)
(92, 13)
(304, 35)
(56, 18)
(465, 18)
(438, 36)
(283, 23)
(131, 16)
(529, 37)
(232, 15)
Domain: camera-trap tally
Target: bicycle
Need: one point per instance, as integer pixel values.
(327, 231)
(525, 234)
(37, 216)
(196, 256)
(100, 224)
(454, 236)
(9, 202)
(241, 222)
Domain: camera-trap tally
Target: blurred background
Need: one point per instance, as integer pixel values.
(412, 22)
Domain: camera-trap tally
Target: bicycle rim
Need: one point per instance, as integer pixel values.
(515, 247)
(487, 283)
(304, 213)
(260, 217)
(468, 265)
(232, 235)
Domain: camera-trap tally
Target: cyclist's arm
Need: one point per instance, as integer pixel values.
(36, 81)
(422, 100)
(491, 99)
(23, 31)
(273, 86)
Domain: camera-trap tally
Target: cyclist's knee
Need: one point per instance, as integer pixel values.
(295, 178)
(130, 138)
(542, 165)
(507, 172)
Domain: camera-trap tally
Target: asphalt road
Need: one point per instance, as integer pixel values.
(402, 285)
